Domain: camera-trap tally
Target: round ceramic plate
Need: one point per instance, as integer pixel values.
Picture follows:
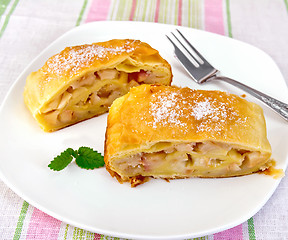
(91, 199)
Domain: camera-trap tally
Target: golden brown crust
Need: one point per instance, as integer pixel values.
(182, 114)
(64, 68)
(150, 114)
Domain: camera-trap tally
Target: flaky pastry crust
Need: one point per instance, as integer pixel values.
(82, 81)
(171, 132)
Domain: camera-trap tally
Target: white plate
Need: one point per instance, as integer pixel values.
(94, 201)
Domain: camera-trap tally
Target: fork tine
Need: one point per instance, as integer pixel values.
(171, 41)
(187, 51)
(183, 59)
(196, 65)
(194, 49)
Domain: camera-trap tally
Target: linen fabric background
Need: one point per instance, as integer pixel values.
(28, 27)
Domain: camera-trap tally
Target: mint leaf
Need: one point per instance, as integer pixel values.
(62, 160)
(85, 157)
(89, 159)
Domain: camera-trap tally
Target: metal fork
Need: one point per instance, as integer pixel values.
(202, 71)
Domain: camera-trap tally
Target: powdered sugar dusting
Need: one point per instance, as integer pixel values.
(206, 109)
(202, 109)
(74, 58)
(165, 109)
(195, 110)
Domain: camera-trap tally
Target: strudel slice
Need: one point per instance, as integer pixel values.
(82, 81)
(171, 132)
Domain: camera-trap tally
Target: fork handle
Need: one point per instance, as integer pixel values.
(278, 106)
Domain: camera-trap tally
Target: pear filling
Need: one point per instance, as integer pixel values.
(93, 94)
(207, 159)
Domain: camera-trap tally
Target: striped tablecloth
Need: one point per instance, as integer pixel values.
(27, 27)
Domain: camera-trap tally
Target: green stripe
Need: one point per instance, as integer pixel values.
(193, 14)
(121, 10)
(152, 11)
(8, 17)
(165, 12)
(176, 12)
(229, 18)
(89, 236)
(113, 10)
(160, 14)
(81, 12)
(21, 219)
(78, 233)
(4, 4)
(201, 238)
(138, 9)
(118, 16)
(198, 15)
(144, 10)
(162, 11)
(150, 6)
(66, 232)
(189, 14)
(127, 10)
(251, 229)
(286, 3)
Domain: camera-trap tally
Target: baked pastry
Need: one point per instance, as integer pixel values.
(171, 132)
(82, 81)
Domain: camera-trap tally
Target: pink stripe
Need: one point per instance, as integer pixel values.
(43, 226)
(180, 13)
(156, 19)
(133, 10)
(98, 11)
(235, 233)
(214, 21)
(97, 236)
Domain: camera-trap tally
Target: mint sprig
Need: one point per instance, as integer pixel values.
(85, 157)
